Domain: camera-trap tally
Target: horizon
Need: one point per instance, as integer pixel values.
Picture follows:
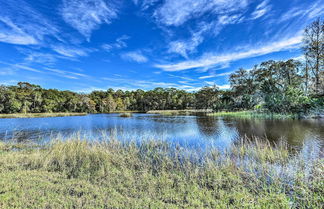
(134, 44)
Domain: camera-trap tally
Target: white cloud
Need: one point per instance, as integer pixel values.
(215, 75)
(136, 56)
(119, 44)
(133, 84)
(11, 33)
(26, 68)
(182, 77)
(183, 47)
(311, 11)
(223, 87)
(70, 51)
(12, 68)
(178, 12)
(22, 25)
(261, 10)
(209, 59)
(230, 19)
(145, 4)
(8, 82)
(66, 74)
(87, 15)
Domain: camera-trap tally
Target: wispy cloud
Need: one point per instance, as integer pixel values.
(12, 68)
(119, 44)
(11, 33)
(310, 11)
(223, 87)
(21, 24)
(183, 47)
(261, 10)
(70, 51)
(181, 77)
(147, 84)
(215, 75)
(208, 60)
(145, 4)
(175, 13)
(136, 56)
(87, 15)
(67, 74)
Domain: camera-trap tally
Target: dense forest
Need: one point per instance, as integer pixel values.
(287, 86)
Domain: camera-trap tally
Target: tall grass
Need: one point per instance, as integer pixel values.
(157, 174)
(40, 115)
(179, 112)
(253, 114)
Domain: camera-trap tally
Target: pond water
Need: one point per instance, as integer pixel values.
(185, 130)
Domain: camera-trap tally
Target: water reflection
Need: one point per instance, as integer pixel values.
(192, 131)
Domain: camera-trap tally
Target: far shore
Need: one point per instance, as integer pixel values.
(41, 115)
(179, 112)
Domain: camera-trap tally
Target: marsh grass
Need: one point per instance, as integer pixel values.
(156, 174)
(178, 112)
(125, 114)
(253, 114)
(40, 115)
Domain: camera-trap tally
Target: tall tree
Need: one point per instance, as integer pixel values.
(314, 50)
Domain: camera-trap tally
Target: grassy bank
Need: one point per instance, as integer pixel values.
(40, 115)
(79, 174)
(178, 112)
(253, 114)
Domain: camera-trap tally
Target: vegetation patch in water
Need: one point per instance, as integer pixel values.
(125, 115)
(111, 174)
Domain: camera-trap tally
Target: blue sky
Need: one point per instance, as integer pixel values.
(83, 45)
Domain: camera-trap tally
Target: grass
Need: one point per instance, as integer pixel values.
(252, 114)
(110, 174)
(125, 115)
(177, 112)
(40, 115)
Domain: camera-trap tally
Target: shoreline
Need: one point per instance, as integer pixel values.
(40, 115)
(264, 115)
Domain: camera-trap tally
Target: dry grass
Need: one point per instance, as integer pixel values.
(40, 115)
(154, 174)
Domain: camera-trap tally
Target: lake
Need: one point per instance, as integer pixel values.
(191, 131)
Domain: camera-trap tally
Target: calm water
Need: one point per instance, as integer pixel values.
(185, 130)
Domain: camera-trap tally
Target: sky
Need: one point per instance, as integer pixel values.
(86, 45)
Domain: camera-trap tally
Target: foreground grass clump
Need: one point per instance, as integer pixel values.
(80, 174)
(40, 115)
(253, 114)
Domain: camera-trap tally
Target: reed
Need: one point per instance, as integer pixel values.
(252, 114)
(125, 114)
(155, 174)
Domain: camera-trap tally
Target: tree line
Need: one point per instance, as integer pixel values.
(287, 86)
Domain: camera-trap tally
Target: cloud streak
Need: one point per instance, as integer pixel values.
(261, 10)
(208, 60)
(22, 25)
(215, 75)
(175, 13)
